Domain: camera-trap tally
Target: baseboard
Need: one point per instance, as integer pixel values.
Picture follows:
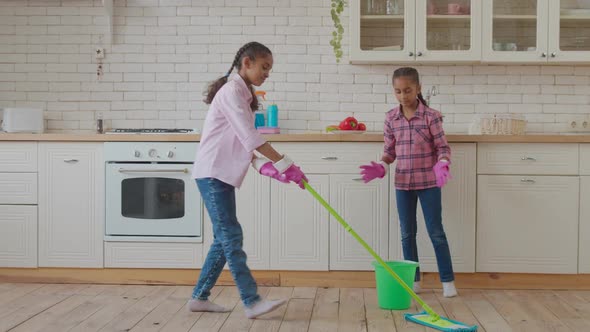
(342, 279)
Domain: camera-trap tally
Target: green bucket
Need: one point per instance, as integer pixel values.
(390, 294)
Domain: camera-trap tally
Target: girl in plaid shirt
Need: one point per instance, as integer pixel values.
(414, 136)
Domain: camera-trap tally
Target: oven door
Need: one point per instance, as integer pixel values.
(152, 200)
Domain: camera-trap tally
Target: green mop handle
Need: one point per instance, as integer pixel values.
(349, 229)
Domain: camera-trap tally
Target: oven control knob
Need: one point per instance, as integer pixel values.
(153, 153)
(170, 154)
(137, 154)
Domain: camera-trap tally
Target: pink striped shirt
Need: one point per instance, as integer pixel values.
(229, 138)
(417, 144)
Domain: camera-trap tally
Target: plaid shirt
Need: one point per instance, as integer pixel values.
(417, 144)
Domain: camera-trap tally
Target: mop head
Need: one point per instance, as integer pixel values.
(441, 324)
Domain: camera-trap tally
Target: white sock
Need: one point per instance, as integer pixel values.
(262, 307)
(449, 289)
(196, 305)
(417, 288)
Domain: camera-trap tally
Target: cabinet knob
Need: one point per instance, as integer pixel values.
(527, 181)
(411, 54)
(357, 179)
(525, 158)
(419, 54)
(543, 55)
(329, 158)
(70, 161)
(553, 55)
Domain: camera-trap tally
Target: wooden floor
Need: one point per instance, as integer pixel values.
(79, 307)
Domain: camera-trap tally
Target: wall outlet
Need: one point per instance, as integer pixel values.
(99, 53)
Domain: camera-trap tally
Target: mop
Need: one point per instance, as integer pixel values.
(428, 317)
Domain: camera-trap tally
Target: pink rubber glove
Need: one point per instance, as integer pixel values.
(442, 172)
(373, 171)
(266, 168)
(294, 173)
(269, 170)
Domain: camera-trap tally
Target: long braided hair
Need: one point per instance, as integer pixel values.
(412, 74)
(252, 50)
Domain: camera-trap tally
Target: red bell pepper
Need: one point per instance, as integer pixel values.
(349, 123)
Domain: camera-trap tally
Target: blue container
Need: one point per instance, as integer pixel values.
(272, 116)
(258, 119)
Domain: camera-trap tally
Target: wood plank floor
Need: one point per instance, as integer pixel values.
(86, 308)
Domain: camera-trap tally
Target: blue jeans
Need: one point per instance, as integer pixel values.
(431, 202)
(220, 201)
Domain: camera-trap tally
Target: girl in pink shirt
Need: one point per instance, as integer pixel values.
(226, 150)
(414, 136)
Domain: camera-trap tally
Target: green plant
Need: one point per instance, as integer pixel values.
(336, 42)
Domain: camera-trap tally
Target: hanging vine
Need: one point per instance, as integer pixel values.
(336, 42)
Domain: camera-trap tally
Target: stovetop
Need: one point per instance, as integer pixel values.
(151, 131)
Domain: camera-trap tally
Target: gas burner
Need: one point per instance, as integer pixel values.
(152, 131)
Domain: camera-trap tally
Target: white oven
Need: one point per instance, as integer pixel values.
(150, 192)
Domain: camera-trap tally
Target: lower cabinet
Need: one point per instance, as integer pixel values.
(365, 208)
(18, 236)
(71, 204)
(299, 227)
(584, 237)
(527, 224)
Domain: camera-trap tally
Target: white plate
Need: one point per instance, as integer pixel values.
(347, 131)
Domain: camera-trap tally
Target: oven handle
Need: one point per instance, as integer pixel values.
(123, 170)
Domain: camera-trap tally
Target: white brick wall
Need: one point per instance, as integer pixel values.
(165, 52)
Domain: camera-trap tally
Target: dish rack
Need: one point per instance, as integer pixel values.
(502, 124)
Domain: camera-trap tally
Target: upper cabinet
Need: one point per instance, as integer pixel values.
(386, 31)
(536, 31)
(498, 31)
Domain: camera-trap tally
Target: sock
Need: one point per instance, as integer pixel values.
(262, 307)
(449, 289)
(196, 305)
(417, 288)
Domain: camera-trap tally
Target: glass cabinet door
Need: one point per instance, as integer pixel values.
(382, 30)
(448, 30)
(515, 30)
(569, 30)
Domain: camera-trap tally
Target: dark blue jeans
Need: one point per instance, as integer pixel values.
(220, 201)
(431, 202)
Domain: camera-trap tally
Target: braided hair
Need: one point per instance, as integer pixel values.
(412, 74)
(252, 50)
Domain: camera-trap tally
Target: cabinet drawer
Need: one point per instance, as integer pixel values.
(326, 158)
(584, 159)
(531, 158)
(153, 255)
(18, 188)
(18, 157)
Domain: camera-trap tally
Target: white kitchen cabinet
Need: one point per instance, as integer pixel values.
(584, 237)
(536, 31)
(18, 236)
(394, 31)
(299, 226)
(458, 199)
(365, 208)
(71, 204)
(253, 212)
(527, 224)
